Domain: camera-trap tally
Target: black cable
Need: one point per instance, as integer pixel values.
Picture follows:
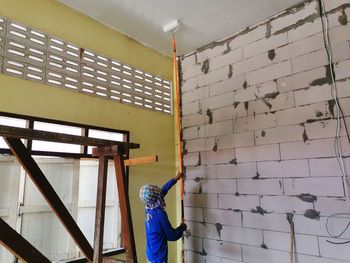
(331, 65)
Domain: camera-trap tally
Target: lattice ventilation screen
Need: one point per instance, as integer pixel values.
(30, 54)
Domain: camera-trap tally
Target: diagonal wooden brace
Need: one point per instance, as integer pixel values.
(44, 186)
(19, 246)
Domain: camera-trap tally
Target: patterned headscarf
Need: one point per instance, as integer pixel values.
(151, 196)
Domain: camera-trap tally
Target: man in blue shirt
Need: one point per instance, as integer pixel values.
(158, 227)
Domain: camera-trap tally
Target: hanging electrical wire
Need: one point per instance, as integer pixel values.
(339, 116)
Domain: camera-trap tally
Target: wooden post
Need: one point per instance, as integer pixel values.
(100, 208)
(125, 211)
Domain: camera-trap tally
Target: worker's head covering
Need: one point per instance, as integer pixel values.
(151, 196)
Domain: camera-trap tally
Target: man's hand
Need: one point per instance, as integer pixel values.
(178, 176)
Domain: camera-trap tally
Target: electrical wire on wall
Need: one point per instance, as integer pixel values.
(339, 117)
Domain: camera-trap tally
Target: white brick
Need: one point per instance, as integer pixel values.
(253, 63)
(194, 95)
(339, 34)
(280, 102)
(222, 186)
(240, 125)
(190, 108)
(224, 260)
(309, 61)
(213, 76)
(194, 257)
(312, 259)
(193, 214)
(188, 61)
(341, 50)
(281, 241)
(328, 206)
(254, 92)
(227, 85)
(222, 249)
(331, 4)
(222, 114)
(301, 47)
(294, 17)
(304, 225)
(262, 121)
(269, 73)
(189, 84)
(245, 38)
(198, 145)
(208, 171)
(345, 105)
(342, 69)
(240, 235)
(220, 128)
(259, 255)
(325, 186)
(313, 95)
(239, 111)
(190, 133)
(284, 204)
(285, 169)
(229, 58)
(324, 167)
(210, 52)
(302, 114)
(218, 157)
(275, 222)
(191, 72)
(192, 186)
(201, 200)
(260, 187)
(310, 149)
(202, 230)
(193, 244)
(334, 251)
(279, 134)
(219, 101)
(300, 80)
(305, 30)
(190, 159)
(235, 140)
(241, 202)
(241, 170)
(224, 217)
(194, 120)
(265, 44)
(343, 88)
(258, 153)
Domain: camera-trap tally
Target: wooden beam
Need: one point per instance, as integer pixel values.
(39, 179)
(100, 208)
(108, 253)
(141, 160)
(22, 133)
(19, 246)
(125, 211)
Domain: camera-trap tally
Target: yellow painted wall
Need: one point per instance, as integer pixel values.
(154, 131)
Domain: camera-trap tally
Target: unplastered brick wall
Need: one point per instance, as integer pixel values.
(258, 131)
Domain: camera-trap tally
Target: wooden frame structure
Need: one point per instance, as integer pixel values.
(20, 247)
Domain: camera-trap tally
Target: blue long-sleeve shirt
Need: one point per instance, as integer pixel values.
(159, 230)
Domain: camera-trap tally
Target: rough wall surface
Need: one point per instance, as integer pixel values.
(258, 132)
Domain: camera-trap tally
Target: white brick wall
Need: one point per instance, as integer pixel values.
(260, 142)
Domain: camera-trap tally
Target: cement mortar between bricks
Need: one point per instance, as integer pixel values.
(289, 168)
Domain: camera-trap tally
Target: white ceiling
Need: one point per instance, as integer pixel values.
(203, 21)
